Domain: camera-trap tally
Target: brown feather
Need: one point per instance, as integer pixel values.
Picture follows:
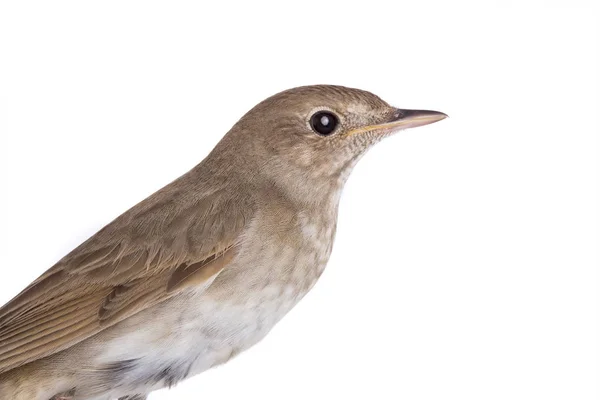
(200, 272)
(65, 312)
(123, 269)
(31, 294)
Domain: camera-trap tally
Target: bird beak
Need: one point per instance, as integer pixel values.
(404, 119)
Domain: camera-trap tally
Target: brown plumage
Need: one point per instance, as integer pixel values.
(121, 270)
(251, 228)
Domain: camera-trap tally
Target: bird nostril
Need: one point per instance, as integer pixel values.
(399, 114)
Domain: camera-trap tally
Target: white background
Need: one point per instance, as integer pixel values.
(465, 261)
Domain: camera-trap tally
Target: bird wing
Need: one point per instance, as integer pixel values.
(174, 239)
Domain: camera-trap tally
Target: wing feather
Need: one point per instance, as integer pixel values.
(178, 237)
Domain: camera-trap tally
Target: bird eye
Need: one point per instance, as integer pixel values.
(323, 122)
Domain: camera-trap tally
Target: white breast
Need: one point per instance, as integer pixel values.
(196, 331)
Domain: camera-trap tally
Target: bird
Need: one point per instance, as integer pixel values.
(205, 267)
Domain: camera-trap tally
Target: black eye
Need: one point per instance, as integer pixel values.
(323, 122)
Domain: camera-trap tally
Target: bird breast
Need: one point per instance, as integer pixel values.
(280, 261)
(281, 258)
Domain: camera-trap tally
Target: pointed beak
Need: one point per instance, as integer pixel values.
(404, 119)
(412, 118)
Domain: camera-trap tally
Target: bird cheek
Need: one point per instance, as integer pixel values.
(302, 157)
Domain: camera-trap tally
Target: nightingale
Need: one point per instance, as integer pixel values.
(202, 269)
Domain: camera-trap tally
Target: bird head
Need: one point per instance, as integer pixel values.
(310, 137)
